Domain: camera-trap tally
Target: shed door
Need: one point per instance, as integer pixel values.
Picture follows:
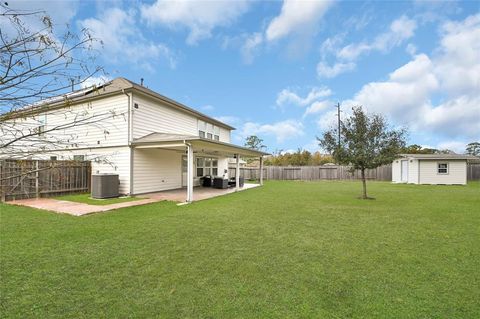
(404, 171)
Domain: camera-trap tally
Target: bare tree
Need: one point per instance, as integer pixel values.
(40, 65)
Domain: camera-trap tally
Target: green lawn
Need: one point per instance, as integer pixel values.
(287, 250)
(87, 199)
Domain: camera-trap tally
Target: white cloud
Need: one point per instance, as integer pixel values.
(123, 40)
(284, 130)
(296, 17)
(411, 49)
(456, 117)
(331, 44)
(451, 75)
(317, 107)
(95, 80)
(400, 30)
(458, 64)
(199, 17)
(453, 145)
(287, 96)
(327, 120)
(327, 71)
(230, 120)
(251, 46)
(312, 147)
(61, 12)
(404, 94)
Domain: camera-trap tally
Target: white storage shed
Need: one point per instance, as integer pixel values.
(446, 169)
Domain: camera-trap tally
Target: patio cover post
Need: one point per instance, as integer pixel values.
(237, 174)
(189, 173)
(261, 170)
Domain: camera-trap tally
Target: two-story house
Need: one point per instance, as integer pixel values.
(152, 142)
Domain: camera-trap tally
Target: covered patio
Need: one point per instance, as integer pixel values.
(179, 195)
(192, 147)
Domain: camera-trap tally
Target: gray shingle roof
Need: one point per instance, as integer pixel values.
(439, 156)
(115, 86)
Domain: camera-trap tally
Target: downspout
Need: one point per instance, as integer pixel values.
(130, 136)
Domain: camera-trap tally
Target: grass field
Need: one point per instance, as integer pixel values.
(287, 250)
(87, 199)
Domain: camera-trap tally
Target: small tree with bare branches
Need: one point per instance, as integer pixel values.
(40, 64)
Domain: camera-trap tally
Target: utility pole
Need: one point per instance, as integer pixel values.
(338, 115)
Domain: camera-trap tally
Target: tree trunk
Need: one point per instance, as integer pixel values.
(364, 182)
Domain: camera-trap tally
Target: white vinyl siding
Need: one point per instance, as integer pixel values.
(156, 170)
(108, 129)
(114, 160)
(100, 123)
(152, 116)
(224, 135)
(397, 171)
(457, 172)
(223, 167)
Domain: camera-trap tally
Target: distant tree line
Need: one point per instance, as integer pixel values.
(299, 158)
(417, 149)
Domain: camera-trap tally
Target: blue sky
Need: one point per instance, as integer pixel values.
(275, 69)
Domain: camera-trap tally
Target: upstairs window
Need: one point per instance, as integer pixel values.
(40, 130)
(42, 122)
(79, 158)
(202, 128)
(442, 168)
(208, 130)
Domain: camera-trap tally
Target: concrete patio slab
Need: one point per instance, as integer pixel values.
(79, 209)
(199, 193)
(73, 208)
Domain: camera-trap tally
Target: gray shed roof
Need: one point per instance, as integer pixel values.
(439, 156)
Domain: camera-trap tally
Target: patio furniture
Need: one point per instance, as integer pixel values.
(206, 181)
(220, 182)
(232, 182)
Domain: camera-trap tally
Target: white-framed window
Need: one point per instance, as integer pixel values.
(42, 122)
(442, 168)
(79, 158)
(207, 166)
(208, 130)
(202, 128)
(40, 130)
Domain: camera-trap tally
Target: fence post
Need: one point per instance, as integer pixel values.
(37, 175)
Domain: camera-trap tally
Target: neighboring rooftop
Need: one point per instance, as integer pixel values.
(114, 87)
(440, 156)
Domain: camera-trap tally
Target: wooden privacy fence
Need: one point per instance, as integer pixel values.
(330, 172)
(308, 173)
(41, 178)
(473, 172)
